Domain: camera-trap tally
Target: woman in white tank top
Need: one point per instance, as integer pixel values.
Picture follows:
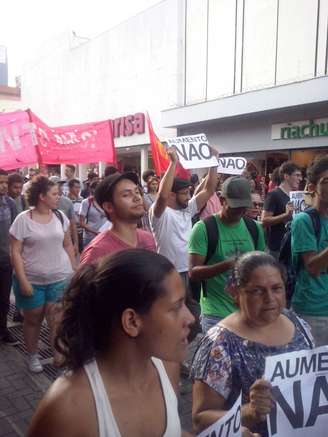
(124, 320)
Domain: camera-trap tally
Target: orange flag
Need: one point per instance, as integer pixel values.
(160, 157)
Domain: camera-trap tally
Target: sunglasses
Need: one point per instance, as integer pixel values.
(258, 204)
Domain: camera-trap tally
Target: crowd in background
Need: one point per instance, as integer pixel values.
(218, 268)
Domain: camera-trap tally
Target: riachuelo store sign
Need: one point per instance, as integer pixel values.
(297, 130)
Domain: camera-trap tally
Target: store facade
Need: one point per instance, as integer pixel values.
(234, 69)
(256, 79)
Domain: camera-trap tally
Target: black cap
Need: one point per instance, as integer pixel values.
(180, 184)
(104, 190)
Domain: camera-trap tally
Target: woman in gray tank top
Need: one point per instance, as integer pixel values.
(123, 334)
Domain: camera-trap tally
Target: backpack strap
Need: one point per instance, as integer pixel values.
(212, 232)
(252, 229)
(24, 203)
(59, 215)
(315, 218)
(90, 203)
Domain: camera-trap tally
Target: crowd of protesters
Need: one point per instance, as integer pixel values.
(122, 327)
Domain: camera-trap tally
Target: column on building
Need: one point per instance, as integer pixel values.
(82, 172)
(101, 168)
(143, 159)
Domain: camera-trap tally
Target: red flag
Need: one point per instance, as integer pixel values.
(160, 157)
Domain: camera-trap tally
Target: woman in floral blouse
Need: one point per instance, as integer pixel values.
(231, 357)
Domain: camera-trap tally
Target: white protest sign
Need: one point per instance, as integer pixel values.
(193, 151)
(300, 389)
(298, 200)
(228, 426)
(232, 165)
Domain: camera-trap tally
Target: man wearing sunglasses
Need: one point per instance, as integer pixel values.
(257, 207)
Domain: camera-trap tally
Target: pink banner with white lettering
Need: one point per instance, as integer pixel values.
(17, 140)
(80, 143)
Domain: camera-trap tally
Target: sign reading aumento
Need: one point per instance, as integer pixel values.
(300, 129)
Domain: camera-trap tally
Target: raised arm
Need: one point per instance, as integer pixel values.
(209, 188)
(165, 186)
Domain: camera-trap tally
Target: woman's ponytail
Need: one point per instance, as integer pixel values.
(75, 336)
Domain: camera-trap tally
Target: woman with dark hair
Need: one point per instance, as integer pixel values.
(124, 331)
(92, 216)
(231, 356)
(149, 198)
(43, 260)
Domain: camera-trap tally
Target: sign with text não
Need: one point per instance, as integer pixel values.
(193, 151)
(300, 389)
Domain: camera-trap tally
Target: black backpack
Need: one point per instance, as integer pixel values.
(213, 236)
(285, 252)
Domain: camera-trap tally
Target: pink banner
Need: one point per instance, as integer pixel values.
(17, 140)
(81, 143)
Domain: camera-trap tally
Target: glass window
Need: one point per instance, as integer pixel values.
(260, 22)
(221, 48)
(296, 39)
(196, 50)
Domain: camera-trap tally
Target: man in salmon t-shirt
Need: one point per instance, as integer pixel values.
(120, 198)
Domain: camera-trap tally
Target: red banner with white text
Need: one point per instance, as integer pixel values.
(75, 144)
(17, 140)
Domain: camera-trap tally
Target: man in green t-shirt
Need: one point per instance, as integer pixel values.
(310, 255)
(234, 239)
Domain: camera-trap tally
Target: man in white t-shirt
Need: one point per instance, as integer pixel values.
(170, 217)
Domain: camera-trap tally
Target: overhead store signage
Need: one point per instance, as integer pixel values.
(297, 130)
(300, 389)
(129, 125)
(193, 151)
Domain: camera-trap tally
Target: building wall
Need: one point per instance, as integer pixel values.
(235, 46)
(254, 133)
(8, 105)
(131, 68)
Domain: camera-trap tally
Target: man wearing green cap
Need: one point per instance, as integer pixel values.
(233, 235)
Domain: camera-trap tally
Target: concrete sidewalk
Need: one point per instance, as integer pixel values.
(20, 391)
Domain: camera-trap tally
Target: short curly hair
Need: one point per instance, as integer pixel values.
(41, 185)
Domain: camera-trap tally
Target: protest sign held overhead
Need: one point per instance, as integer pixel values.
(298, 201)
(300, 389)
(232, 165)
(159, 155)
(193, 151)
(228, 426)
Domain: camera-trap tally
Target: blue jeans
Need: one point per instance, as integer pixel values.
(207, 322)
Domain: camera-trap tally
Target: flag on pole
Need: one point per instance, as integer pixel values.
(160, 156)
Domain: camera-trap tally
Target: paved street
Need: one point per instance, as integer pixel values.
(20, 391)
